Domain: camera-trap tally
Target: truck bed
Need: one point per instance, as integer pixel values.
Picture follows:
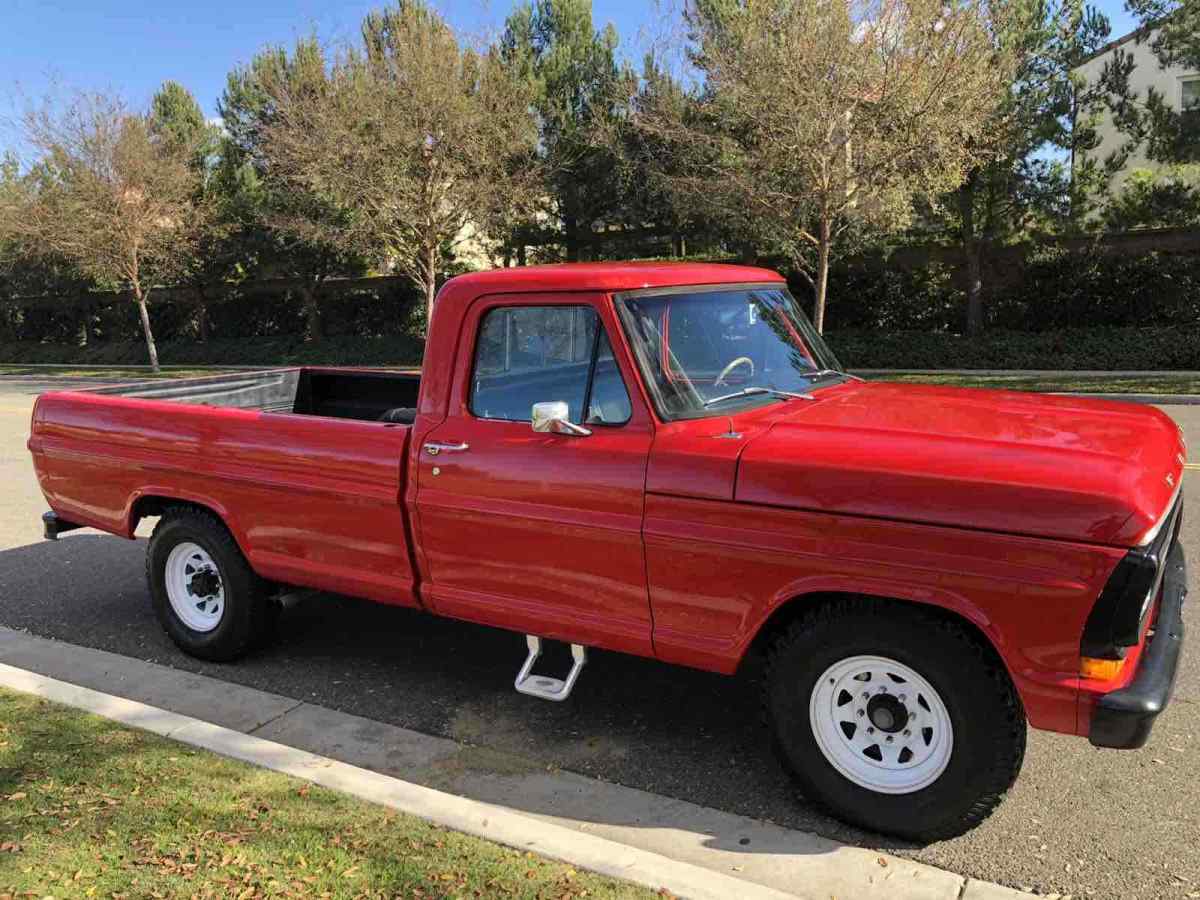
(364, 394)
(305, 466)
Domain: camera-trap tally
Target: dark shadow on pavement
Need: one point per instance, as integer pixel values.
(676, 732)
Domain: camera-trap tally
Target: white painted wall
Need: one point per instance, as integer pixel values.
(1169, 82)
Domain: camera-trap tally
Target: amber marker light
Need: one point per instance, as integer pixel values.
(1100, 669)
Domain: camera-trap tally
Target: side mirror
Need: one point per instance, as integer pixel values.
(551, 418)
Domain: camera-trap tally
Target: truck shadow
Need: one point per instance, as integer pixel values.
(675, 732)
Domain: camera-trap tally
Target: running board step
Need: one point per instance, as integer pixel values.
(540, 685)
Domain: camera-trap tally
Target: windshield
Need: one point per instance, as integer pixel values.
(707, 352)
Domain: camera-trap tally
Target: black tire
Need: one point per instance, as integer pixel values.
(249, 614)
(985, 713)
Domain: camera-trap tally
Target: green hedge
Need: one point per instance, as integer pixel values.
(1077, 289)
(387, 306)
(1045, 289)
(1070, 349)
(875, 296)
(342, 350)
(1132, 349)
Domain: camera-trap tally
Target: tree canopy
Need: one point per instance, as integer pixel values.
(796, 161)
(572, 74)
(115, 192)
(800, 129)
(415, 141)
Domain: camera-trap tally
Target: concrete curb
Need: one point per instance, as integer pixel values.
(619, 831)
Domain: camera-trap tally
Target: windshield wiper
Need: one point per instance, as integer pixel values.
(826, 373)
(752, 391)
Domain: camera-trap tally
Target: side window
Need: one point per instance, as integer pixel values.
(533, 354)
(609, 401)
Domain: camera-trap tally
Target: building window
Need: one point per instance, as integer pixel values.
(1189, 93)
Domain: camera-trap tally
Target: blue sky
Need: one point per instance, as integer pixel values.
(132, 45)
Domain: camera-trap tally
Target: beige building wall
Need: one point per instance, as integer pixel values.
(1176, 84)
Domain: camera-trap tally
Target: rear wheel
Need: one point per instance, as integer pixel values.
(204, 593)
(893, 718)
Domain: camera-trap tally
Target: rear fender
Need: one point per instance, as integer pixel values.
(154, 496)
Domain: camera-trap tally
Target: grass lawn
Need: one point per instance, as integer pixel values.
(89, 808)
(1064, 381)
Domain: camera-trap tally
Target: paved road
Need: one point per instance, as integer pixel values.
(1079, 821)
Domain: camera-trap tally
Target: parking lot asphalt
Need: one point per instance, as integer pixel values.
(1079, 821)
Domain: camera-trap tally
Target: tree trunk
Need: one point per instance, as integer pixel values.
(430, 285)
(201, 316)
(570, 210)
(824, 243)
(313, 331)
(144, 312)
(571, 231)
(973, 253)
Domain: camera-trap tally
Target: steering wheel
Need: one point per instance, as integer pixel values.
(740, 361)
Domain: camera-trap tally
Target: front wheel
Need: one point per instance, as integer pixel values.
(205, 595)
(893, 718)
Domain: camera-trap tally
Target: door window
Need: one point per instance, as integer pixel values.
(534, 354)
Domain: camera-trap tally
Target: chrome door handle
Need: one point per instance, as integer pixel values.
(433, 448)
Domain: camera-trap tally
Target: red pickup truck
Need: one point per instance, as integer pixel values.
(666, 460)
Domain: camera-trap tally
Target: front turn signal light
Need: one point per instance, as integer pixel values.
(1100, 669)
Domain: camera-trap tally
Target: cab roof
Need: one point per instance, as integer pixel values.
(460, 292)
(606, 276)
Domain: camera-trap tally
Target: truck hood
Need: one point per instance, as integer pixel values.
(1061, 467)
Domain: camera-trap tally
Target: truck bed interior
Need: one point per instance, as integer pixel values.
(363, 394)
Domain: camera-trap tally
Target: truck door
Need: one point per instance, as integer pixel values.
(539, 532)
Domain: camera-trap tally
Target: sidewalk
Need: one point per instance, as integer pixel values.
(657, 841)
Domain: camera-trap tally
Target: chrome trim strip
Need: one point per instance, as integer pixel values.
(1152, 532)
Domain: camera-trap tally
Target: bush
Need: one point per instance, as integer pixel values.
(386, 306)
(1065, 309)
(1132, 349)
(1077, 348)
(1080, 289)
(1049, 288)
(874, 295)
(342, 350)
